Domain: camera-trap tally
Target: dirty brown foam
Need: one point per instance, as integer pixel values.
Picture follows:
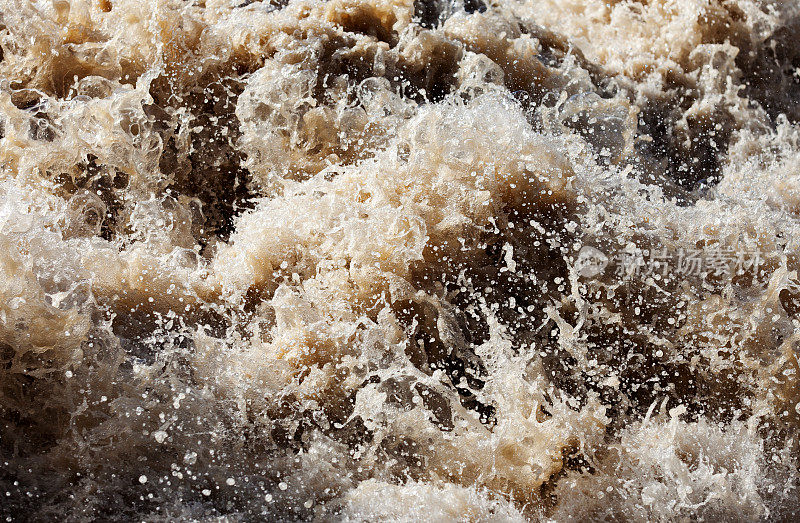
(349, 260)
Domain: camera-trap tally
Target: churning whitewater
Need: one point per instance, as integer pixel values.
(399, 260)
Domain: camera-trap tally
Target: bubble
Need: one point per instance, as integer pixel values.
(190, 458)
(86, 214)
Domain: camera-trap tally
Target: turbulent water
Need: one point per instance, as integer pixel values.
(378, 260)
